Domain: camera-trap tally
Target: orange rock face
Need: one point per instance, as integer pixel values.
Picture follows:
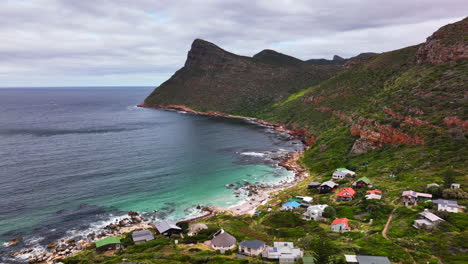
(378, 135)
(451, 121)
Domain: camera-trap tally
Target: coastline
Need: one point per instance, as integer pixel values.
(259, 195)
(256, 194)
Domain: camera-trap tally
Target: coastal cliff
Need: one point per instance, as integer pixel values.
(213, 79)
(402, 97)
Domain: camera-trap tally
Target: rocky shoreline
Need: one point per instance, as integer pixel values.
(258, 194)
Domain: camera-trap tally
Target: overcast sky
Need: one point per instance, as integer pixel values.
(142, 42)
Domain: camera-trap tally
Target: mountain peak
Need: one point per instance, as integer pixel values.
(203, 52)
(338, 58)
(274, 57)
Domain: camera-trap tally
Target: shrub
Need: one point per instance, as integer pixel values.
(458, 194)
(329, 212)
(283, 219)
(435, 191)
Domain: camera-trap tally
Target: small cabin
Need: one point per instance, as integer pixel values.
(362, 182)
(427, 220)
(347, 194)
(108, 243)
(223, 241)
(167, 228)
(342, 173)
(142, 236)
(251, 247)
(340, 225)
(313, 185)
(327, 187)
(455, 186)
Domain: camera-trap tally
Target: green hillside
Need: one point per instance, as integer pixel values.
(398, 118)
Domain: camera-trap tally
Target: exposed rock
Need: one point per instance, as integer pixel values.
(362, 146)
(14, 241)
(52, 244)
(446, 45)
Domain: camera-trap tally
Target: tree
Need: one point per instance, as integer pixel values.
(449, 178)
(329, 212)
(435, 191)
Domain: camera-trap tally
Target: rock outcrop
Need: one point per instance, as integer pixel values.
(446, 45)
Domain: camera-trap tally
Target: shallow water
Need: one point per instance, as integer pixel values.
(72, 157)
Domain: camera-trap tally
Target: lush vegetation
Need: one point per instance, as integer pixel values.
(410, 121)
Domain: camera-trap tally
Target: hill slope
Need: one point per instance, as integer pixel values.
(398, 118)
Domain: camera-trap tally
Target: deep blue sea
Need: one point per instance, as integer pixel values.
(71, 158)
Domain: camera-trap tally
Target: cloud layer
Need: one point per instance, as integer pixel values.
(142, 42)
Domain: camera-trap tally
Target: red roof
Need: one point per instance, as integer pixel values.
(343, 221)
(374, 191)
(347, 192)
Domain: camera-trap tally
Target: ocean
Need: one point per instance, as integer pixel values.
(72, 159)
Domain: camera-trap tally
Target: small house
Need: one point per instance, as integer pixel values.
(363, 259)
(314, 212)
(362, 182)
(427, 220)
(447, 205)
(223, 241)
(167, 228)
(251, 247)
(373, 195)
(290, 206)
(313, 185)
(304, 199)
(340, 225)
(285, 252)
(342, 173)
(347, 194)
(108, 243)
(327, 187)
(195, 228)
(141, 236)
(455, 186)
(412, 197)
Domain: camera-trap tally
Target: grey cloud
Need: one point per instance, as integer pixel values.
(66, 40)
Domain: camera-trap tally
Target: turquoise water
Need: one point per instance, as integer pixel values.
(72, 157)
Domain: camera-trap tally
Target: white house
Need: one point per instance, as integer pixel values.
(251, 247)
(447, 205)
(223, 241)
(285, 252)
(428, 220)
(342, 173)
(363, 259)
(455, 186)
(314, 212)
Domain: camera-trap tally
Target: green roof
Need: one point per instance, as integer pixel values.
(294, 199)
(341, 169)
(308, 260)
(107, 241)
(364, 179)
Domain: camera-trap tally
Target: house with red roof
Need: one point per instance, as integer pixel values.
(340, 225)
(347, 194)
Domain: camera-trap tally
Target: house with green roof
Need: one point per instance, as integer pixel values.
(108, 243)
(362, 182)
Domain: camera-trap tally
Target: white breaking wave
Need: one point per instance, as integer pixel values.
(256, 154)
